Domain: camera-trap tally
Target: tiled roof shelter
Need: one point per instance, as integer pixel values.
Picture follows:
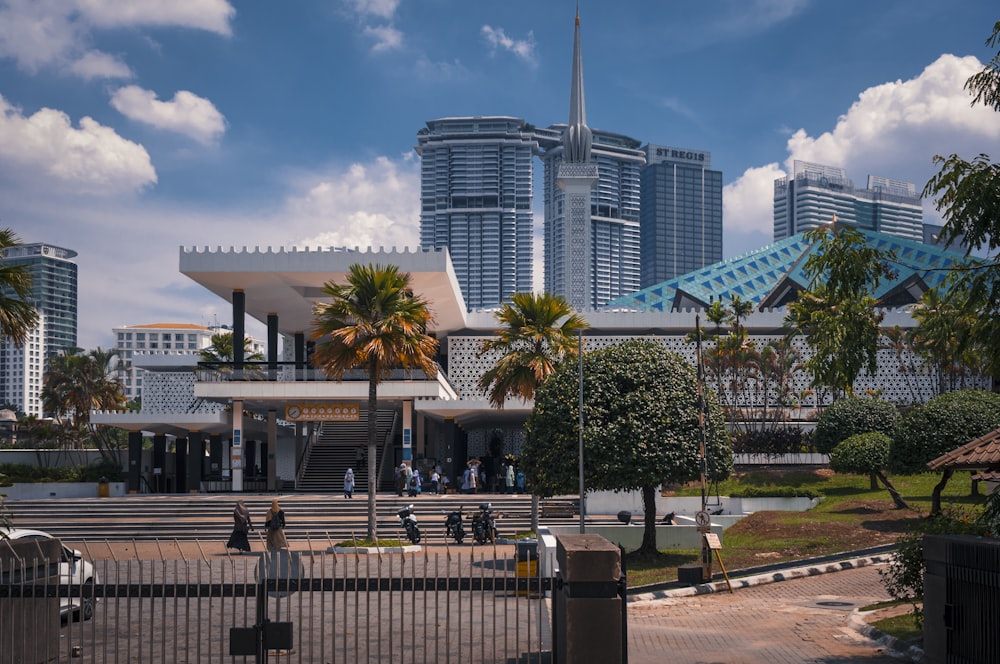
(983, 453)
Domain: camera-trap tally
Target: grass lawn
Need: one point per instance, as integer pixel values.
(850, 516)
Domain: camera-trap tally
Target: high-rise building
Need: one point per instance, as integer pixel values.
(137, 344)
(54, 290)
(680, 218)
(476, 176)
(21, 371)
(815, 194)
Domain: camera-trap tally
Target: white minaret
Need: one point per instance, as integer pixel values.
(577, 176)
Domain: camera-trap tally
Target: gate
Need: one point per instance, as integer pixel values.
(466, 605)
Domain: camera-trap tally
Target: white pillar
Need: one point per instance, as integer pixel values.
(236, 451)
(408, 432)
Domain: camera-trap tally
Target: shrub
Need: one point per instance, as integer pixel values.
(861, 454)
(853, 415)
(942, 424)
(772, 442)
(773, 492)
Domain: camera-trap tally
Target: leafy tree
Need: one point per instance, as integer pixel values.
(837, 312)
(944, 423)
(538, 333)
(220, 349)
(18, 315)
(74, 384)
(641, 427)
(968, 195)
(848, 417)
(373, 322)
(866, 454)
(943, 336)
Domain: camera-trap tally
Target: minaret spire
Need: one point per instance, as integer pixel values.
(577, 137)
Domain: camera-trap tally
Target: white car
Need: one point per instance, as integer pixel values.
(73, 571)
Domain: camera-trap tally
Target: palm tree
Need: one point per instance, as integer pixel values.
(76, 383)
(537, 335)
(17, 315)
(372, 322)
(220, 350)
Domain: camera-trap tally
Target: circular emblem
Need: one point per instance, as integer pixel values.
(702, 518)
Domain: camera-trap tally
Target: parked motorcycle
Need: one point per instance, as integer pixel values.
(484, 525)
(409, 522)
(454, 525)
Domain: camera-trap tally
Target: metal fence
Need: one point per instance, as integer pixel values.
(463, 605)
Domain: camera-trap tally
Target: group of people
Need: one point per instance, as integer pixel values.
(274, 525)
(408, 480)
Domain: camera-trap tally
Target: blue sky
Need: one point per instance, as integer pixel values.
(130, 128)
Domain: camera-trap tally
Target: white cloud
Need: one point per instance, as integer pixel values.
(95, 64)
(58, 33)
(186, 113)
(380, 8)
(209, 15)
(524, 49)
(375, 204)
(892, 130)
(386, 37)
(90, 159)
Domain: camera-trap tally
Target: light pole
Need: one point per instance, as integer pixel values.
(579, 352)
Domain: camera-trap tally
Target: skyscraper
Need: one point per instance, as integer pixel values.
(54, 290)
(681, 213)
(476, 178)
(816, 193)
(22, 370)
(591, 205)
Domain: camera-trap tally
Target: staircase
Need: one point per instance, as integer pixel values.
(342, 445)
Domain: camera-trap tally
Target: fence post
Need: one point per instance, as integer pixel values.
(587, 624)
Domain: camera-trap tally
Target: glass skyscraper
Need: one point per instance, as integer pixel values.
(816, 193)
(681, 213)
(476, 199)
(54, 290)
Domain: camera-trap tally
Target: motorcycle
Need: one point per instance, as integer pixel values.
(454, 526)
(409, 522)
(484, 526)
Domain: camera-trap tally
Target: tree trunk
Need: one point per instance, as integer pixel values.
(873, 477)
(372, 445)
(938, 490)
(648, 521)
(896, 498)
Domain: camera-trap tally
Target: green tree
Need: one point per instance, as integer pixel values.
(968, 195)
(944, 423)
(374, 322)
(837, 312)
(641, 427)
(848, 417)
(220, 350)
(74, 384)
(943, 337)
(18, 315)
(866, 454)
(538, 332)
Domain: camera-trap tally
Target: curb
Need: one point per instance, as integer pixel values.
(895, 647)
(761, 579)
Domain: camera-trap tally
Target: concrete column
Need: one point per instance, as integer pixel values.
(134, 460)
(196, 461)
(272, 345)
(408, 432)
(272, 449)
(182, 459)
(239, 327)
(159, 463)
(588, 613)
(236, 452)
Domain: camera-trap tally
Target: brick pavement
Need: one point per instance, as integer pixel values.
(805, 619)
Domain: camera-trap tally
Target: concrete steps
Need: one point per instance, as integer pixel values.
(209, 516)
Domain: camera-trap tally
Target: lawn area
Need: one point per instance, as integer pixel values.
(850, 516)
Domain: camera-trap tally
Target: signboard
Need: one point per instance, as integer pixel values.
(712, 540)
(322, 412)
(656, 154)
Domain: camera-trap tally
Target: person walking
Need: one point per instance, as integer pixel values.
(241, 526)
(435, 486)
(415, 483)
(275, 525)
(349, 483)
(508, 478)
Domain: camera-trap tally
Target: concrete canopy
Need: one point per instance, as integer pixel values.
(288, 282)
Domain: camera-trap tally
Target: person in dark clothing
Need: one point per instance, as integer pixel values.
(241, 526)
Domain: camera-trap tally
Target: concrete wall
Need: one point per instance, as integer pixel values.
(609, 503)
(43, 490)
(630, 537)
(57, 458)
